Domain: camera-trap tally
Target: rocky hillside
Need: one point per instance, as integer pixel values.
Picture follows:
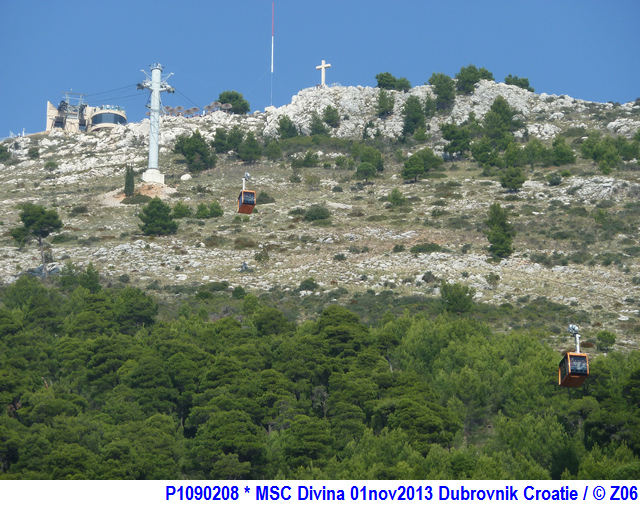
(562, 252)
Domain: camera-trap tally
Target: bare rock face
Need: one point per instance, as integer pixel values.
(544, 116)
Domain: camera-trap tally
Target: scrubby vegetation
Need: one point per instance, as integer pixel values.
(116, 392)
(447, 253)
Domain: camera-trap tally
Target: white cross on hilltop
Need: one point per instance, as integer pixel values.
(323, 68)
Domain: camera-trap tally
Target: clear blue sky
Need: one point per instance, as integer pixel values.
(586, 49)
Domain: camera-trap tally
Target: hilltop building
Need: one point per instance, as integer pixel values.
(80, 117)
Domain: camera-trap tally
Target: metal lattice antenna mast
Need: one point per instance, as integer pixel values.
(155, 84)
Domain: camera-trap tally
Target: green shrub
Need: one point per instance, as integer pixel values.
(315, 213)
(468, 76)
(196, 151)
(606, 339)
(181, 210)
(398, 248)
(317, 126)
(365, 171)
(202, 211)
(308, 285)
(5, 154)
(218, 286)
(88, 241)
(215, 209)
(273, 150)
(310, 159)
(240, 105)
(457, 297)
(219, 143)
(554, 179)
(420, 163)
(238, 293)
(136, 199)
(501, 232)
(605, 204)
(331, 116)
(580, 257)
(513, 178)
(341, 161)
(250, 149)
(403, 84)
(64, 237)
(337, 189)
(80, 210)
(33, 153)
(493, 279)
(385, 104)
(203, 295)
(562, 153)
(339, 257)
(413, 115)
(261, 256)
(429, 277)
(428, 247)
(444, 88)
(129, 183)
(156, 218)
(51, 166)
(286, 128)
(264, 198)
(244, 243)
(386, 81)
(396, 198)
(520, 82)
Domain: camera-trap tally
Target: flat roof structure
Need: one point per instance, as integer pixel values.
(80, 117)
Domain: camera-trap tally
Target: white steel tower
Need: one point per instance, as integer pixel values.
(156, 84)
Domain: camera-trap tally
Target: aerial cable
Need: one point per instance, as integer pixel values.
(111, 91)
(117, 97)
(188, 99)
(254, 84)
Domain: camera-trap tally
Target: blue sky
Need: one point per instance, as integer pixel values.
(586, 49)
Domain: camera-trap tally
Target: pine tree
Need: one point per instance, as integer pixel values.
(317, 126)
(129, 184)
(501, 232)
(38, 223)
(413, 116)
(385, 103)
(250, 149)
(156, 216)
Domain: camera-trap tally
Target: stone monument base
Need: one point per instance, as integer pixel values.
(152, 176)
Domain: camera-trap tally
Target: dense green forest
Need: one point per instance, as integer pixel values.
(107, 383)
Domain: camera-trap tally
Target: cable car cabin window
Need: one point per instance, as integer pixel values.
(246, 201)
(248, 198)
(578, 365)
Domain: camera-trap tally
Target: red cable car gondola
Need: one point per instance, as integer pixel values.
(246, 199)
(574, 367)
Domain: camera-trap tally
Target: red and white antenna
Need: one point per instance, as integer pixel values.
(273, 9)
